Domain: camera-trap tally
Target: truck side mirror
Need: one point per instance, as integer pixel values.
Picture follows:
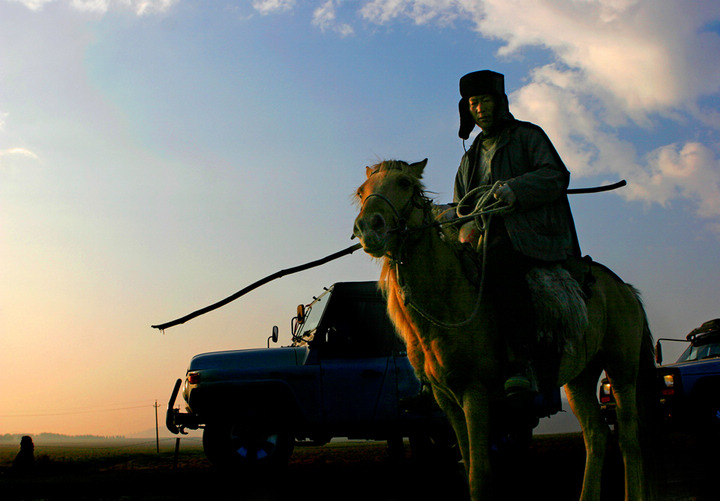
(274, 335)
(301, 313)
(658, 353)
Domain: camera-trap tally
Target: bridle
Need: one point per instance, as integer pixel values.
(420, 201)
(400, 218)
(417, 200)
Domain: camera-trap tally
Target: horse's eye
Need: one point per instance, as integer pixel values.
(404, 183)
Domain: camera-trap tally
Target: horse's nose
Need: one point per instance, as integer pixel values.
(374, 223)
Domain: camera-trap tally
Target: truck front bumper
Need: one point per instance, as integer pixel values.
(177, 421)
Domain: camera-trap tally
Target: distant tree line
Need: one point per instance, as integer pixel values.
(16, 437)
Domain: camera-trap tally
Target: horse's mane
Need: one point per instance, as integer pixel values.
(388, 282)
(401, 165)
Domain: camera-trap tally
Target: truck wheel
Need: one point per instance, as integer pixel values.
(709, 409)
(247, 442)
(438, 447)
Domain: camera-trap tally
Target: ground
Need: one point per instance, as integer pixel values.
(133, 470)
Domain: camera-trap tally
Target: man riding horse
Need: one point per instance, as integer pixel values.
(539, 230)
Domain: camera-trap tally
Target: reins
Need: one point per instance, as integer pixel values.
(484, 208)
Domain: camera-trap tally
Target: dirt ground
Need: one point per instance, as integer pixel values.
(123, 470)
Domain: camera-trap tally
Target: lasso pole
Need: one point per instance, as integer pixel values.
(597, 189)
(257, 284)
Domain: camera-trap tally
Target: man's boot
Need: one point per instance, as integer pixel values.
(421, 403)
(522, 378)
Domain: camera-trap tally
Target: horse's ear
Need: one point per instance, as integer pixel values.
(418, 167)
(369, 171)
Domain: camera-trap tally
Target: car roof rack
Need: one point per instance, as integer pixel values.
(706, 328)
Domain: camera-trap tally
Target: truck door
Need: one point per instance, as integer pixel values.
(357, 370)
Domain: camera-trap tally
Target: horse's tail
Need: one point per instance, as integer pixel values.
(648, 405)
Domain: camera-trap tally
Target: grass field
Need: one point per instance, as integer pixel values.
(121, 469)
(124, 469)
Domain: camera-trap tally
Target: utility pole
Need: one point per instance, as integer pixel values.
(157, 430)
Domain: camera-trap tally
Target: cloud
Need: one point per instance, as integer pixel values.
(324, 18)
(273, 6)
(9, 154)
(691, 171)
(688, 170)
(18, 151)
(650, 55)
(419, 11)
(140, 7)
(33, 4)
(11, 157)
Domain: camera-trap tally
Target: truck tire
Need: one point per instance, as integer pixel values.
(707, 403)
(438, 446)
(249, 442)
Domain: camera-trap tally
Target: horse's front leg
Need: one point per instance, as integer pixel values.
(476, 407)
(456, 416)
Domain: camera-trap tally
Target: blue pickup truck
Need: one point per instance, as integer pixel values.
(345, 374)
(689, 389)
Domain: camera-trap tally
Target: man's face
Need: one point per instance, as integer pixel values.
(483, 109)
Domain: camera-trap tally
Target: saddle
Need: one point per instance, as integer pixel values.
(560, 306)
(559, 294)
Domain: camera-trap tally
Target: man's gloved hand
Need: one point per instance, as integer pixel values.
(505, 194)
(469, 234)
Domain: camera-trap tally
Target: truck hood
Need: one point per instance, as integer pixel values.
(249, 359)
(695, 367)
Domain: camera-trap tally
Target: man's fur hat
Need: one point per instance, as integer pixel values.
(475, 84)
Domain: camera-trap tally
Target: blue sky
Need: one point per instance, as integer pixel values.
(156, 156)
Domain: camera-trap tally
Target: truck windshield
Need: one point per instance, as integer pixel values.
(700, 351)
(305, 331)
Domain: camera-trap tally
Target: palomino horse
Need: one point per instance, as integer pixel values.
(460, 349)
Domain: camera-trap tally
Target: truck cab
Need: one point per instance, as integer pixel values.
(690, 387)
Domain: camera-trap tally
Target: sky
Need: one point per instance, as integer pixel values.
(159, 155)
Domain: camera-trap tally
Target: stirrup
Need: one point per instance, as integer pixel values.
(518, 383)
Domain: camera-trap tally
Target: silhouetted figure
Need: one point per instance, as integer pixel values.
(25, 459)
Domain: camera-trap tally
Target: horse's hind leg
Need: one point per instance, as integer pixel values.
(626, 410)
(584, 404)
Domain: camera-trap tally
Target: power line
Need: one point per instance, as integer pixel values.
(67, 413)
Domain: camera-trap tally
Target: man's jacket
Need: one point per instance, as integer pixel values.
(541, 226)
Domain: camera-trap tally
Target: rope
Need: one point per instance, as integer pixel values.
(486, 204)
(485, 207)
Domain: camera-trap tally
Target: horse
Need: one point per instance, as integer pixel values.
(454, 341)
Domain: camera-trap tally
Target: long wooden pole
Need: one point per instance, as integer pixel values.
(257, 284)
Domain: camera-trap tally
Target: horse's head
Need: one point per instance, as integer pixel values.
(389, 204)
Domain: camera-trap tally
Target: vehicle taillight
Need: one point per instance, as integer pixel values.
(605, 393)
(193, 377)
(668, 385)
